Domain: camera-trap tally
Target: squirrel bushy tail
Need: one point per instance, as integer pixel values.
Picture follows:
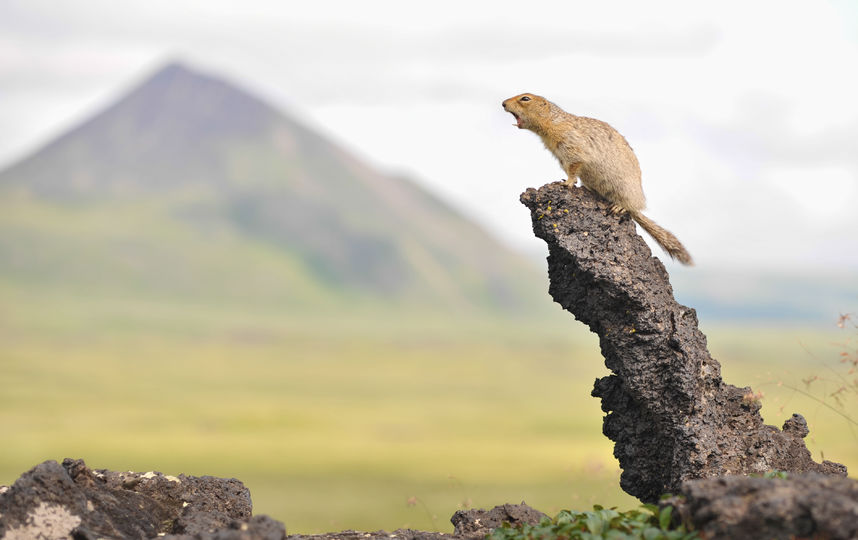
(665, 239)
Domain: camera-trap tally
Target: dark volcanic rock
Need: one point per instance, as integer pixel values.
(670, 415)
(469, 525)
(747, 508)
(398, 534)
(473, 524)
(72, 501)
(55, 501)
(256, 528)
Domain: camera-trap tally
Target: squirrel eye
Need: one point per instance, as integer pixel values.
(524, 98)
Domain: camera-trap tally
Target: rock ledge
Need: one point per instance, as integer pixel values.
(670, 415)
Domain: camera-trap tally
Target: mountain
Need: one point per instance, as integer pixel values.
(191, 189)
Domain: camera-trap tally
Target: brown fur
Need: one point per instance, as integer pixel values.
(596, 153)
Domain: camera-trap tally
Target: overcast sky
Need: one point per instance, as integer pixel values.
(744, 115)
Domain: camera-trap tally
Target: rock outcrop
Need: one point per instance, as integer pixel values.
(72, 500)
(670, 415)
(476, 524)
(749, 508)
(53, 501)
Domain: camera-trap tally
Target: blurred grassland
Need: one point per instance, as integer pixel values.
(335, 424)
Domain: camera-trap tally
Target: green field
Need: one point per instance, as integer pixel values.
(337, 424)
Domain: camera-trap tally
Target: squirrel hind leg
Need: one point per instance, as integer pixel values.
(616, 209)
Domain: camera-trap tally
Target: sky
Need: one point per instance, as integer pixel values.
(743, 115)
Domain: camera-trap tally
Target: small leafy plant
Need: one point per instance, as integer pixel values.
(648, 523)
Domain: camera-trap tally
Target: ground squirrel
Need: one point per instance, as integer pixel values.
(596, 153)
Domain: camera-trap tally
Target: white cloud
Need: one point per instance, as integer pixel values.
(826, 195)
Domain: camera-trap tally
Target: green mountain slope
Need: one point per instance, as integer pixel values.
(191, 189)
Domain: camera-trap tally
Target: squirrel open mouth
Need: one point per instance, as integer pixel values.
(517, 120)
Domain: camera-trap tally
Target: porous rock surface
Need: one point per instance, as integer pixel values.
(53, 501)
(71, 500)
(669, 413)
(749, 508)
(476, 524)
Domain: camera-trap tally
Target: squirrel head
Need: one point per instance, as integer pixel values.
(527, 109)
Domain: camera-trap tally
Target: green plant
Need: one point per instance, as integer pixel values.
(648, 523)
